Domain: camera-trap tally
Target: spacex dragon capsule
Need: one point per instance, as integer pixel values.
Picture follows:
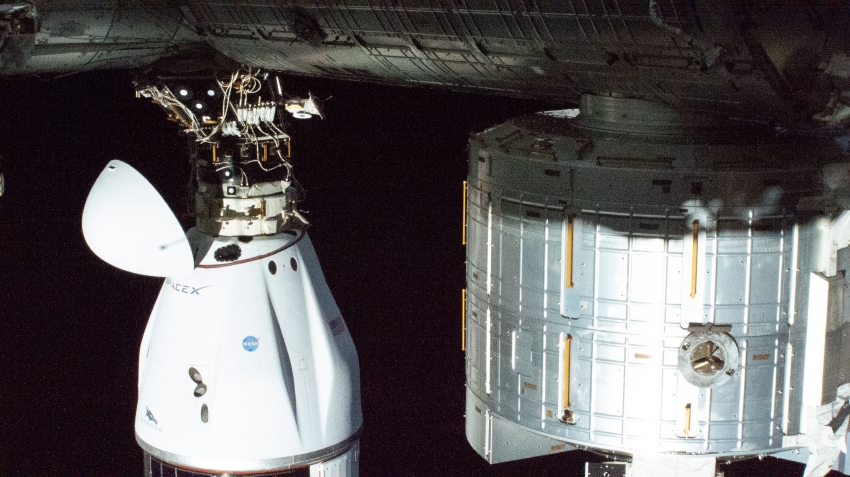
(246, 365)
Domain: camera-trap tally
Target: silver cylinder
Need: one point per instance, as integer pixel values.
(638, 281)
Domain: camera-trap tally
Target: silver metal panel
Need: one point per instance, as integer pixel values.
(607, 385)
(521, 346)
(477, 243)
(643, 406)
(510, 441)
(477, 425)
(509, 253)
(731, 276)
(581, 379)
(533, 266)
(614, 284)
(553, 261)
(476, 343)
(648, 279)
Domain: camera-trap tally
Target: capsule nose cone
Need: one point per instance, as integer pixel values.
(128, 225)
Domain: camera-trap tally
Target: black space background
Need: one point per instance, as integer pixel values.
(383, 175)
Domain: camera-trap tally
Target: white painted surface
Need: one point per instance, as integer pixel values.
(280, 381)
(128, 225)
(815, 342)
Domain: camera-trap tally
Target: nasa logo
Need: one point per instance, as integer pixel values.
(250, 343)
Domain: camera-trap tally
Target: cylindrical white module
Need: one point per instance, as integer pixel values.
(639, 281)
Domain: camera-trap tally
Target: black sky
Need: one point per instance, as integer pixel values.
(383, 175)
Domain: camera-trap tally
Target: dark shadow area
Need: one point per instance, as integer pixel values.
(383, 175)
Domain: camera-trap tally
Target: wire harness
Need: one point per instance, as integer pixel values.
(241, 152)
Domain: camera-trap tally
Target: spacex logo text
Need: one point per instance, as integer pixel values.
(188, 289)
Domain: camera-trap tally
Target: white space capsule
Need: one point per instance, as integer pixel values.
(246, 364)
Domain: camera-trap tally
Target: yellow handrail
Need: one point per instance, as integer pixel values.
(567, 343)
